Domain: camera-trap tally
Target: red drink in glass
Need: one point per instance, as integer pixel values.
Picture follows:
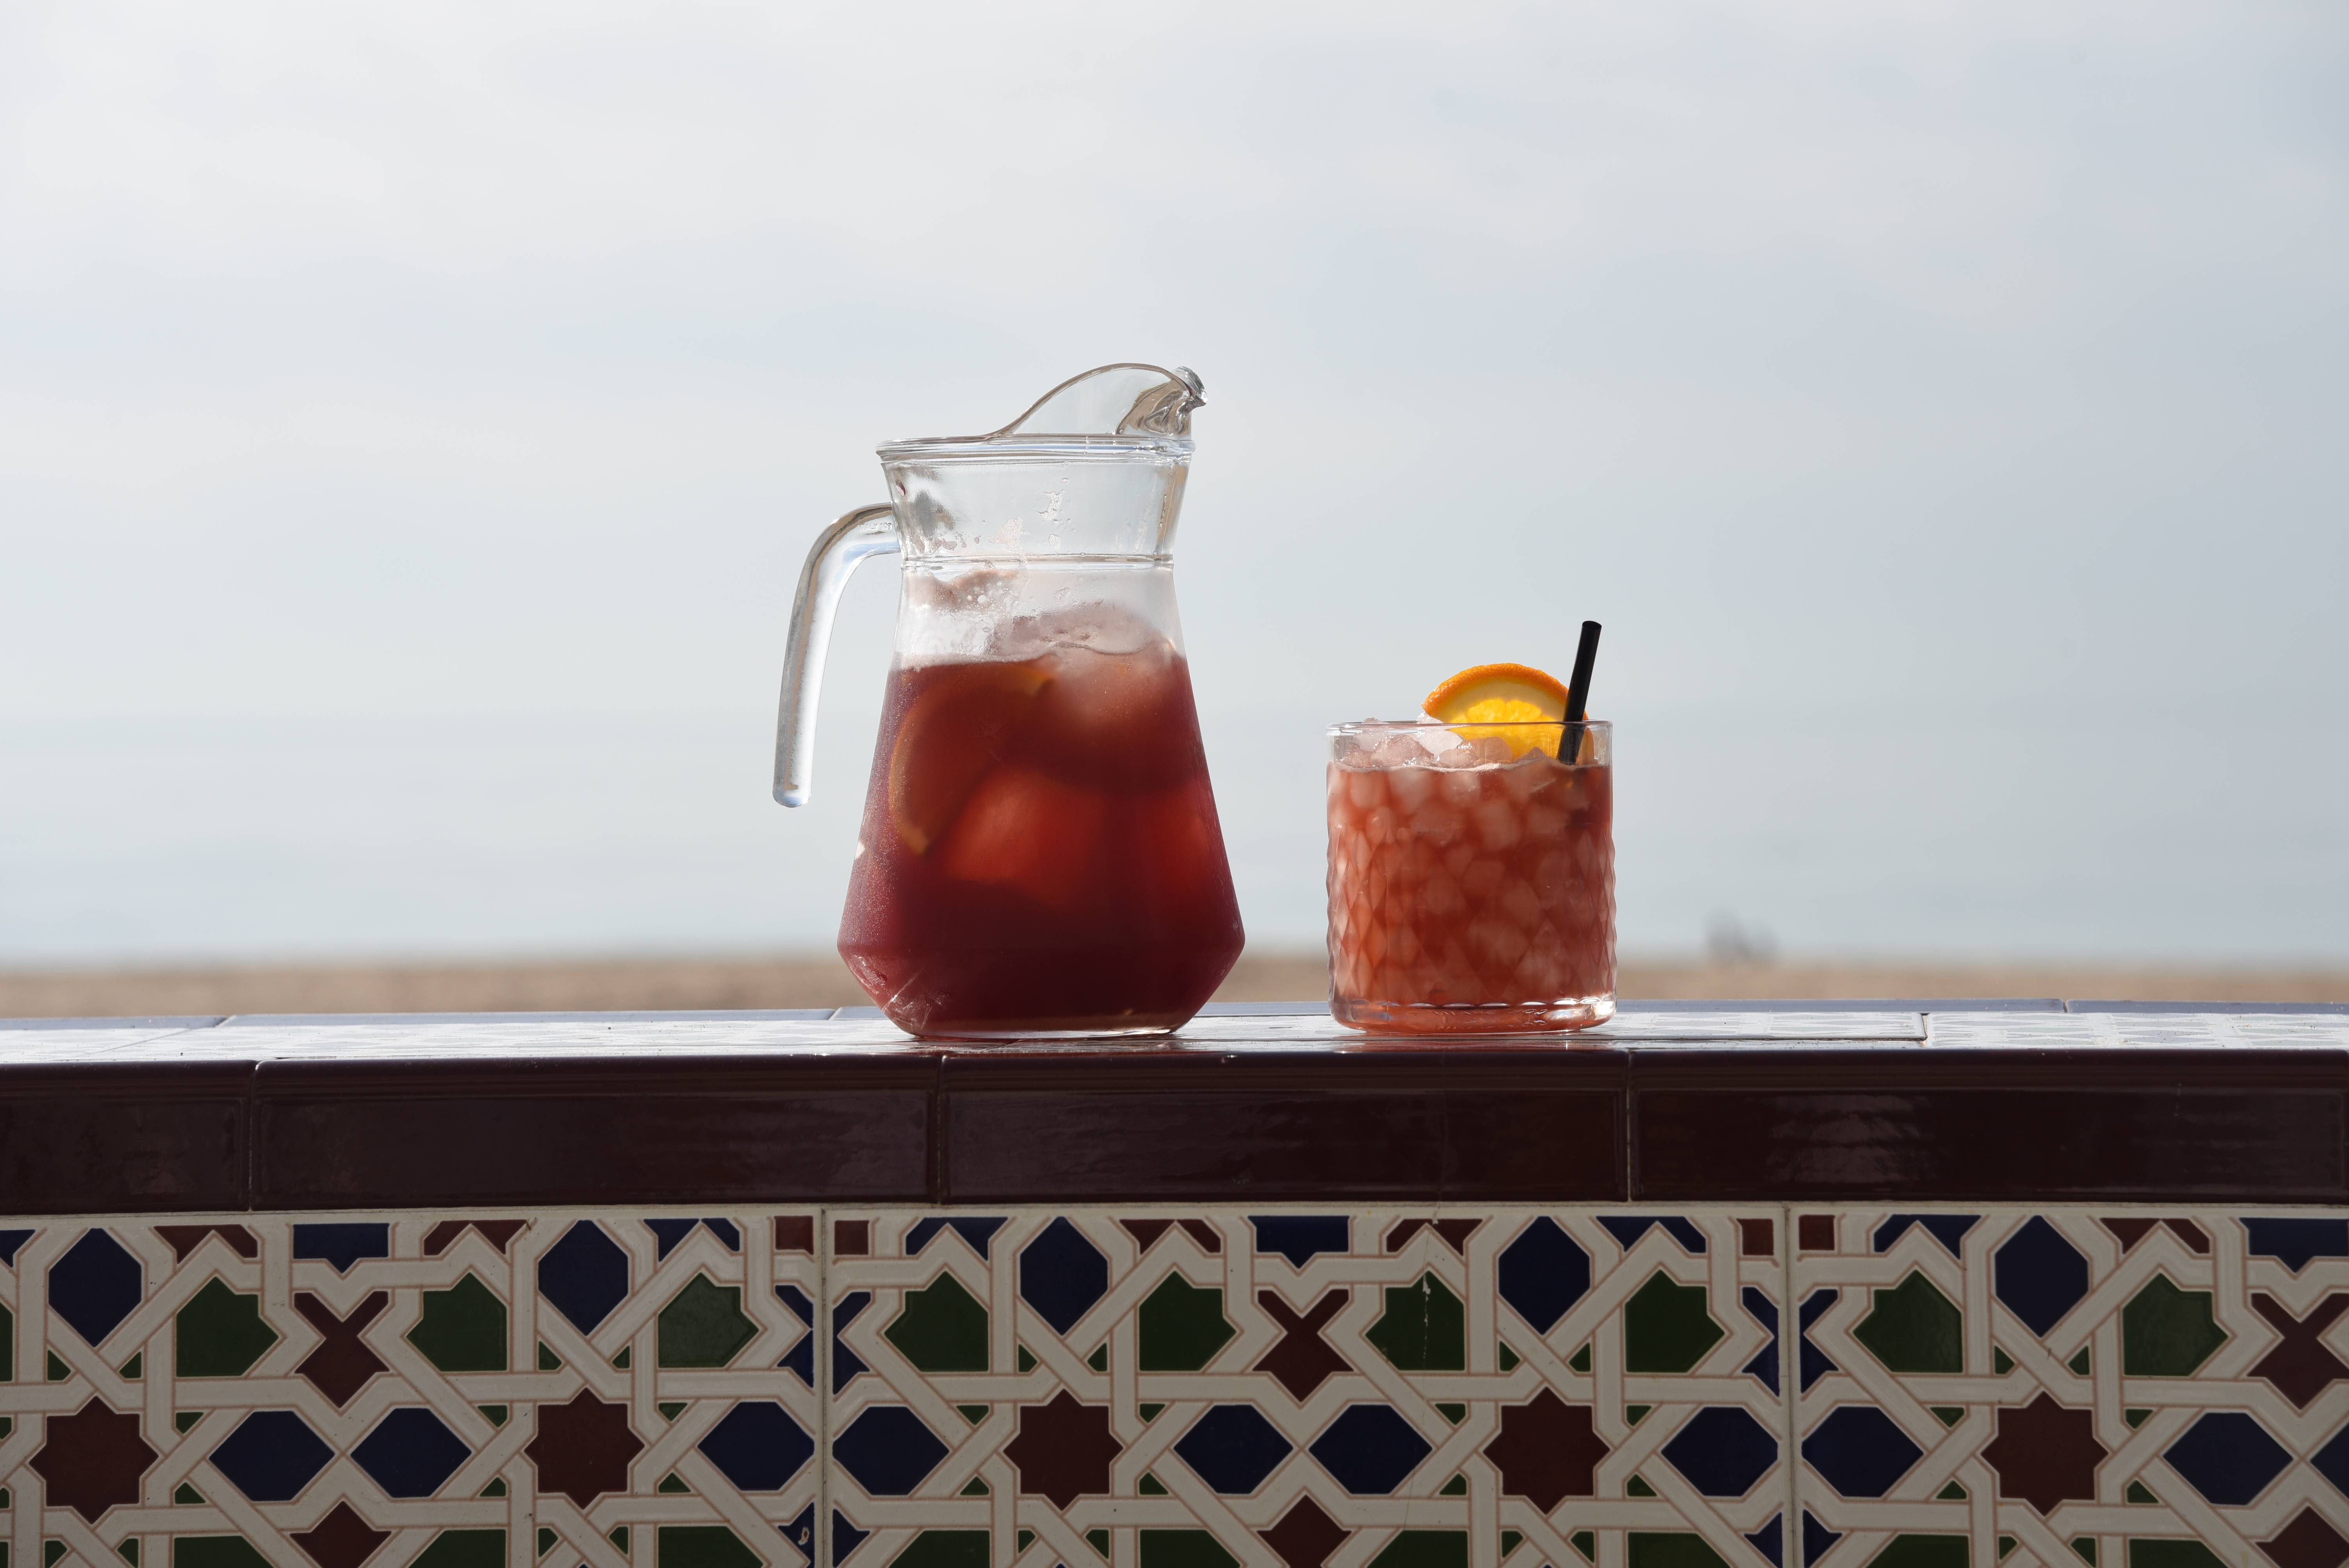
(1472, 888)
(1039, 852)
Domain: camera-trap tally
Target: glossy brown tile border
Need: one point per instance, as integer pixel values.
(1677, 1125)
(1991, 1125)
(93, 1139)
(1278, 1126)
(628, 1130)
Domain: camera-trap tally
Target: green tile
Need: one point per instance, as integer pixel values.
(2085, 1548)
(703, 1326)
(1673, 1549)
(943, 1549)
(1638, 1487)
(1913, 1328)
(548, 1361)
(463, 1328)
(1151, 1486)
(497, 1414)
(8, 1346)
(670, 1410)
(1668, 1327)
(1635, 1414)
(218, 1333)
(461, 1549)
(2079, 1363)
(1099, 1540)
(974, 1413)
(1921, 1551)
(2140, 1493)
(2167, 1332)
(2001, 1363)
(2172, 1554)
(627, 1355)
(58, 1373)
(7, 1500)
(1456, 1487)
(1424, 1328)
(186, 1419)
(1952, 1492)
(546, 1538)
(132, 1371)
(1425, 1549)
(2137, 1419)
(1948, 1415)
(1181, 1327)
(1150, 1412)
(707, 1546)
(1184, 1549)
(129, 1551)
(1024, 1540)
(973, 1488)
(54, 1552)
(673, 1485)
(1580, 1362)
(185, 1494)
(1511, 1540)
(497, 1487)
(941, 1327)
(1508, 1359)
(1027, 1362)
(1099, 1359)
(1587, 1543)
(619, 1538)
(1452, 1411)
(207, 1552)
(2005, 1545)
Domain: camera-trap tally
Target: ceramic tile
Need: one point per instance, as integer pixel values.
(1172, 1387)
(2139, 1387)
(456, 1390)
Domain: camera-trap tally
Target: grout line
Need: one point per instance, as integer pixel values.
(1790, 1537)
(820, 1537)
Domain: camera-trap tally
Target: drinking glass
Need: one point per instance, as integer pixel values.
(1471, 876)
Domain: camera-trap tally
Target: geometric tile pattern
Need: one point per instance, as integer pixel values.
(1159, 1388)
(2117, 1384)
(375, 1390)
(1154, 1387)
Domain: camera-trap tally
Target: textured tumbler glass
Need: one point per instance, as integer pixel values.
(1472, 877)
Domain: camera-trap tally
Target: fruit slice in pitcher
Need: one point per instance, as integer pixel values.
(955, 730)
(1506, 700)
(1027, 830)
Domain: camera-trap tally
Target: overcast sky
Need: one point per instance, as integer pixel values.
(1944, 405)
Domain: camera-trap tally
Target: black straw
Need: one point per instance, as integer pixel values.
(1577, 692)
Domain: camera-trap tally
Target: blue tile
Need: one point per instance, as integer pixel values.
(343, 1243)
(757, 1446)
(95, 1286)
(1062, 1274)
(584, 1274)
(1542, 1273)
(1233, 1448)
(271, 1455)
(411, 1452)
(1370, 1449)
(2038, 1276)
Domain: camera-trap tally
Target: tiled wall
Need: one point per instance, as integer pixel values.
(1179, 1387)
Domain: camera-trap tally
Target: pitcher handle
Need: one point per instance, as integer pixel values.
(867, 531)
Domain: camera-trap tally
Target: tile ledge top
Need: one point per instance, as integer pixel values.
(1228, 1029)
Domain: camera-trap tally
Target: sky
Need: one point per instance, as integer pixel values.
(412, 417)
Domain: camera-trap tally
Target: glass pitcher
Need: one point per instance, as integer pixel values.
(1040, 853)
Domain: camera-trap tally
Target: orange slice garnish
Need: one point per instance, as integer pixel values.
(1516, 702)
(950, 738)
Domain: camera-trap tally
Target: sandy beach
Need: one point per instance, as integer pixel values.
(821, 980)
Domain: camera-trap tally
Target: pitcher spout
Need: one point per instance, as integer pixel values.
(1115, 401)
